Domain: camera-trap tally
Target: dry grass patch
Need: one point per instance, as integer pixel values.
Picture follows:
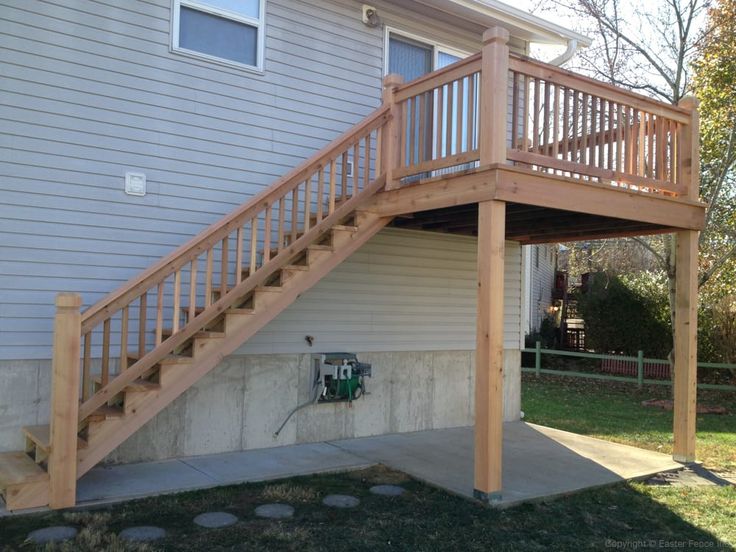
(381, 475)
(288, 492)
(94, 535)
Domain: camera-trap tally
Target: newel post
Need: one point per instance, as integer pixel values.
(494, 96)
(686, 297)
(62, 465)
(390, 134)
(489, 359)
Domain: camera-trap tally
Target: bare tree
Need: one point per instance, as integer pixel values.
(650, 47)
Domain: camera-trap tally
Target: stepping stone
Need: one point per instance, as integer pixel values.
(143, 533)
(214, 520)
(58, 533)
(387, 490)
(340, 501)
(275, 511)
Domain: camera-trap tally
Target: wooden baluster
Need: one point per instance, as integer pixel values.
(208, 277)
(159, 314)
(627, 140)
(641, 144)
(224, 266)
(439, 132)
(294, 214)
(105, 367)
(193, 288)
(471, 113)
(584, 131)
(344, 176)
(603, 136)
(124, 339)
(86, 367)
(546, 121)
(459, 118)
(282, 220)
(661, 124)
(611, 135)
(142, 322)
(267, 231)
(575, 126)
(535, 120)
(333, 187)
(356, 167)
(366, 161)
(556, 123)
(239, 255)
(412, 122)
(422, 130)
(566, 125)
(177, 301)
(651, 127)
(403, 133)
(254, 241)
(307, 204)
(525, 117)
(634, 146)
(619, 138)
(320, 193)
(594, 135)
(671, 177)
(515, 110)
(450, 119)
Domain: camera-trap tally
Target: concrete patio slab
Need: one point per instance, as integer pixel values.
(538, 462)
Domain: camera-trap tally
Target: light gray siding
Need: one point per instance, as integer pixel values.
(542, 263)
(90, 90)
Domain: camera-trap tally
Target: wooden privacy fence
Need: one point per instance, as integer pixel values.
(138, 325)
(628, 369)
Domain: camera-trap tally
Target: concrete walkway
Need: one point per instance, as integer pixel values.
(539, 462)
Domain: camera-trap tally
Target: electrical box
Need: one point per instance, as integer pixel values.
(135, 184)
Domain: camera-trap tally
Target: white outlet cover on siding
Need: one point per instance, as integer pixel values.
(135, 183)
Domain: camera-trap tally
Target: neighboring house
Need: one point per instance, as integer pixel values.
(540, 263)
(129, 127)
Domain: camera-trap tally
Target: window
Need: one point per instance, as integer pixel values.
(228, 31)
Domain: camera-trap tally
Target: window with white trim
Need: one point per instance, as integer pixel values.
(227, 31)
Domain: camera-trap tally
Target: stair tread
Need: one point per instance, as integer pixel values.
(170, 359)
(269, 288)
(18, 467)
(136, 385)
(109, 411)
(296, 267)
(41, 435)
(321, 247)
(203, 334)
(240, 311)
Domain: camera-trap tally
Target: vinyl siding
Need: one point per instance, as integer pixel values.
(90, 90)
(542, 282)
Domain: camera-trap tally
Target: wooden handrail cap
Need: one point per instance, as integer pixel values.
(392, 80)
(68, 300)
(495, 34)
(689, 102)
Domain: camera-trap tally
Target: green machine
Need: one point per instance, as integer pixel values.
(343, 376)
(336, 377)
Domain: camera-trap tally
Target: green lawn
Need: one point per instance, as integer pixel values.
(614, 412)
(428, 519)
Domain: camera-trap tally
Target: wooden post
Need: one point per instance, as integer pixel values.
(538, 358)
(390, 142)
(640, 369)
(686, 297)
(62, 465)
(491, 237)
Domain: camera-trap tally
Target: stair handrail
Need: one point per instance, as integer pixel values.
(259, 209)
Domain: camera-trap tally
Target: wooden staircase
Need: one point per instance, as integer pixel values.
(123, 360)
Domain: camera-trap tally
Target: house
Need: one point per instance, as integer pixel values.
(222, 189)
(540, 264)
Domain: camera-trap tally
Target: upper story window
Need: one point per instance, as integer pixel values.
(227, 31)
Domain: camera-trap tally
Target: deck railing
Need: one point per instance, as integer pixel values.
(556, 121)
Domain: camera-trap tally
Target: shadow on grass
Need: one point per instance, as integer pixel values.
(424, 518)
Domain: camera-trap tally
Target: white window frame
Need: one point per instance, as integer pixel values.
(437, 47)
(259, 24)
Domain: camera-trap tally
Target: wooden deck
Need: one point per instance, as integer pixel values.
(497, 146)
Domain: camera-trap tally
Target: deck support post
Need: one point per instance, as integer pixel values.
(487, 484)
(686, 296)
(390, 135)
(62, 464)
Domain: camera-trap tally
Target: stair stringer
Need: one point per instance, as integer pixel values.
(115, 431)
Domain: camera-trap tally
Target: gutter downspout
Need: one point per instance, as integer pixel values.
(564, 57)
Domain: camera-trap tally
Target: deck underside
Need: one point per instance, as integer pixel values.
(540, 207)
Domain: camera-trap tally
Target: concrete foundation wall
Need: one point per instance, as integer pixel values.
(243, 401)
